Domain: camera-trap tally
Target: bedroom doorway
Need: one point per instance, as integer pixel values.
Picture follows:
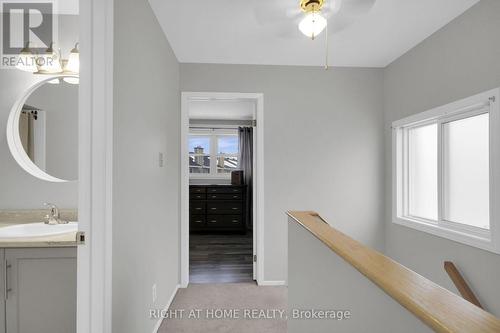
(221, 188)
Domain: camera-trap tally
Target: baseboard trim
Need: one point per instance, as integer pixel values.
(272, 283)
(158, 324)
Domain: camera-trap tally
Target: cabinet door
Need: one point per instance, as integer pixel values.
(41, 286)
(2, 290)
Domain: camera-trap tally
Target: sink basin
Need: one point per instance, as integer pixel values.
(35, 230)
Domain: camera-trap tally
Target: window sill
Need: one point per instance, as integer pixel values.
(484, 243)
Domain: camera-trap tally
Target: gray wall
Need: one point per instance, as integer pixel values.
(458, 61)
(323, 146)
(145, 196)
(21, 190)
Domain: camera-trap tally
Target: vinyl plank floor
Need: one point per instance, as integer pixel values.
(220, 258)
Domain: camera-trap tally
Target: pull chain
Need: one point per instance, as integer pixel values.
(326, 46)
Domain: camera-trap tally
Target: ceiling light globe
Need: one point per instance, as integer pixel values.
(312, 24)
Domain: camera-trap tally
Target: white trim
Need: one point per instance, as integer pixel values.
(487, 102)
(258, 227)
(258, 184)
(272, 283)
(94, 290)
(167, 306)
(184, 253)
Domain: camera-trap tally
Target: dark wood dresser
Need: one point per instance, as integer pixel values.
(217, 208)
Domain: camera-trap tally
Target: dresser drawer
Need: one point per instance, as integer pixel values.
(224, 196)
(197, 190)
(197, 222)
(197, 207)
(224, 207)
(224, 221)
(197, 196)
(228, 189)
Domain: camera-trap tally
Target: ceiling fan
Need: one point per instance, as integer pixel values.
(311, 16)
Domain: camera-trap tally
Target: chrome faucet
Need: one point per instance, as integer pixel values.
(53, 217)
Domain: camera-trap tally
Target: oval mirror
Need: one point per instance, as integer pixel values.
(42, 130)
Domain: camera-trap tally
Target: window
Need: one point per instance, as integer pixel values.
(213, 153)
(446, 170)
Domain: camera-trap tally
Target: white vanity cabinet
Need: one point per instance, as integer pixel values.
(39, 290)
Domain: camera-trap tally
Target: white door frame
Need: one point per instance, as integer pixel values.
(95, 166)
(258, 179)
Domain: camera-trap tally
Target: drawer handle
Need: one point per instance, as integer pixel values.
(7, 290)
(235, 197)
(235, 208)
(198, 208)
(198, 221)
(213, 221)
(213, 208)
(235, 221)
(214, 196)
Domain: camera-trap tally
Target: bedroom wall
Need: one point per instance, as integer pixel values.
(323, 146)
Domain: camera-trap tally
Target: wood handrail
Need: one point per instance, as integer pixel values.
(460, 283)
(440, 309)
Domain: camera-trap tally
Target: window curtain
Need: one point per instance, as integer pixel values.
(26, 132)
(245, 160)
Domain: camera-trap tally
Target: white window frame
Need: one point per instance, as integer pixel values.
(213, 133)
(487, 102)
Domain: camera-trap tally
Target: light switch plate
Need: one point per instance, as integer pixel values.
(161, 160)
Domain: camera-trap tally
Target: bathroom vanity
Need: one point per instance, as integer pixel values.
(38, 276)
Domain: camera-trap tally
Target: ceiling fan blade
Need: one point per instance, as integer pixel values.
(354, 8)
(273, 11)
(347, 13)
(336, 24)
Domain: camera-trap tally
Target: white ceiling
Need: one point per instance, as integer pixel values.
(229, 32)
(220, 109)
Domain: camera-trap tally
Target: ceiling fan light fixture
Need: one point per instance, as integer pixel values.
(312, 24)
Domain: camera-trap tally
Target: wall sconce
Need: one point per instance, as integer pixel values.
(50, 63)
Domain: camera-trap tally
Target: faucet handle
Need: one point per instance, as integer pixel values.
(54, 211)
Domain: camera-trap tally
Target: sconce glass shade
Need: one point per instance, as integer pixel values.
(312, 24)
(26, 60)
(50, 62)
(73, 65)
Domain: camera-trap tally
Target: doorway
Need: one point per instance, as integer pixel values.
(221, 211)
